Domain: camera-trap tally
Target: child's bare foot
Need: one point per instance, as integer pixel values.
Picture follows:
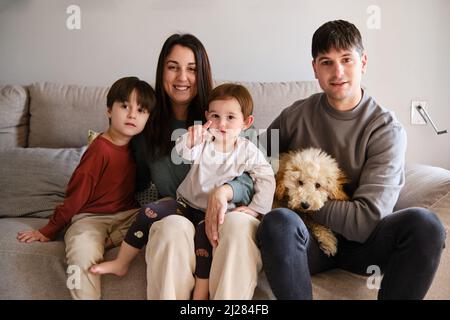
(200, 295)
(201, 289)
(109, 267)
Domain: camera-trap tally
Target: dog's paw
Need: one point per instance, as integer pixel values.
(328, 243)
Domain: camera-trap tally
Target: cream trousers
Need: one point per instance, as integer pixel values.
(171, 260)
(85, 245)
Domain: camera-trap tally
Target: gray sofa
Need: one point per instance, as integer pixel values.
(43, 128)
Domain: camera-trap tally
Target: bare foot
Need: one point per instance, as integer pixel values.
(201, 289)
(200, 296)
(108, 267)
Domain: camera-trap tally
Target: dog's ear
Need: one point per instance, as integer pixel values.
(279, 177)
(338, 192)
(279, 190)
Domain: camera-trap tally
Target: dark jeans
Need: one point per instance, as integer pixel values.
(405, 245)
(137, 234)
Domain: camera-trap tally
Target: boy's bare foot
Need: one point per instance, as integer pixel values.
(108, 267)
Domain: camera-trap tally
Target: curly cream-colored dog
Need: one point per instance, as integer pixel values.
(306, 179)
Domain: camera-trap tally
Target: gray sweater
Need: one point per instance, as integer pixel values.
(368, 143)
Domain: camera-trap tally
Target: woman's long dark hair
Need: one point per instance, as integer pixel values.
(158, 129)
(155, 140)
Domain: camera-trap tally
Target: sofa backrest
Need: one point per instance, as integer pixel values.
(14, 117)
(270, 98)
(59, 116)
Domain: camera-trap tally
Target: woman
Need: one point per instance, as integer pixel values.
(183, 83)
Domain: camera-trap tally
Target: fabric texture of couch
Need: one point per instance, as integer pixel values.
(43, 130)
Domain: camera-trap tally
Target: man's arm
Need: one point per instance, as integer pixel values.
(379, 187)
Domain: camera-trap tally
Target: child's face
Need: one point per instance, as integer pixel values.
(227, 119)
(127, 118)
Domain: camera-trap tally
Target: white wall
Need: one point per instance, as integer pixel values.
(248, 40)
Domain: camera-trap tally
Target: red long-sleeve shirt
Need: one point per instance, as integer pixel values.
(103, 182)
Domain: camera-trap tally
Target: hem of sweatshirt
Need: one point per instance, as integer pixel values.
(260, 210)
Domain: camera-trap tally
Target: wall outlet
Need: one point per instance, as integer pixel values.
(416, 118)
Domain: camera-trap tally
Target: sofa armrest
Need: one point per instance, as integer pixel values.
(424, 186)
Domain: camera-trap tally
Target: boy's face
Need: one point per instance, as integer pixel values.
(227, 119)
(127, 118)
(339, 73)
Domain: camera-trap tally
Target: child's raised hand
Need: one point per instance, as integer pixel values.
(197, 133)
(30, 236)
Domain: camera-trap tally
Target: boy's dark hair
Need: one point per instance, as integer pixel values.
(240, 93)
(338, 34)
(121, 90)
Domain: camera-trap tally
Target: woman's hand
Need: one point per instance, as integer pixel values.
(215, 211)
(196, 134)
(30, 236)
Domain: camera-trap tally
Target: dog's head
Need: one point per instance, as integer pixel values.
(306, 179)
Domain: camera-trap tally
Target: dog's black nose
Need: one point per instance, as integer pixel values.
(305, 205)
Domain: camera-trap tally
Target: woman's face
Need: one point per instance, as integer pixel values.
(180, 76)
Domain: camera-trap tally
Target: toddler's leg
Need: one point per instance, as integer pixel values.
(203, 255)
(136, 237)
(201, 289)
(203, 251)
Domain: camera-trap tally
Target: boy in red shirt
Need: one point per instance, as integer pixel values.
(99, 203)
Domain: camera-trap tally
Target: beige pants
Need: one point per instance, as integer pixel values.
(171, 260)
(85, 245)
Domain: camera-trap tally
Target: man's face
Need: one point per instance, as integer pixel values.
(339, 73)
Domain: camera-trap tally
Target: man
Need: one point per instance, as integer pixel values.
(369, 144)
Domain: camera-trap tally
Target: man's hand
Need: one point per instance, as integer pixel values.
(248, 211)
(196, 134)
(215, 211)
(30, 236)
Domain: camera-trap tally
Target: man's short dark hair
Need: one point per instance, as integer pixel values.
(338, 34)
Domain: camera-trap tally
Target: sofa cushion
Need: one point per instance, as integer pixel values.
(270, 98)
(33, 180)
(14, 119)
(38, 270)
(148, 195)
(61, 115)
(424, 186)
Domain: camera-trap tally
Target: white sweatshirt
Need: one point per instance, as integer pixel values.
(212, 168)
